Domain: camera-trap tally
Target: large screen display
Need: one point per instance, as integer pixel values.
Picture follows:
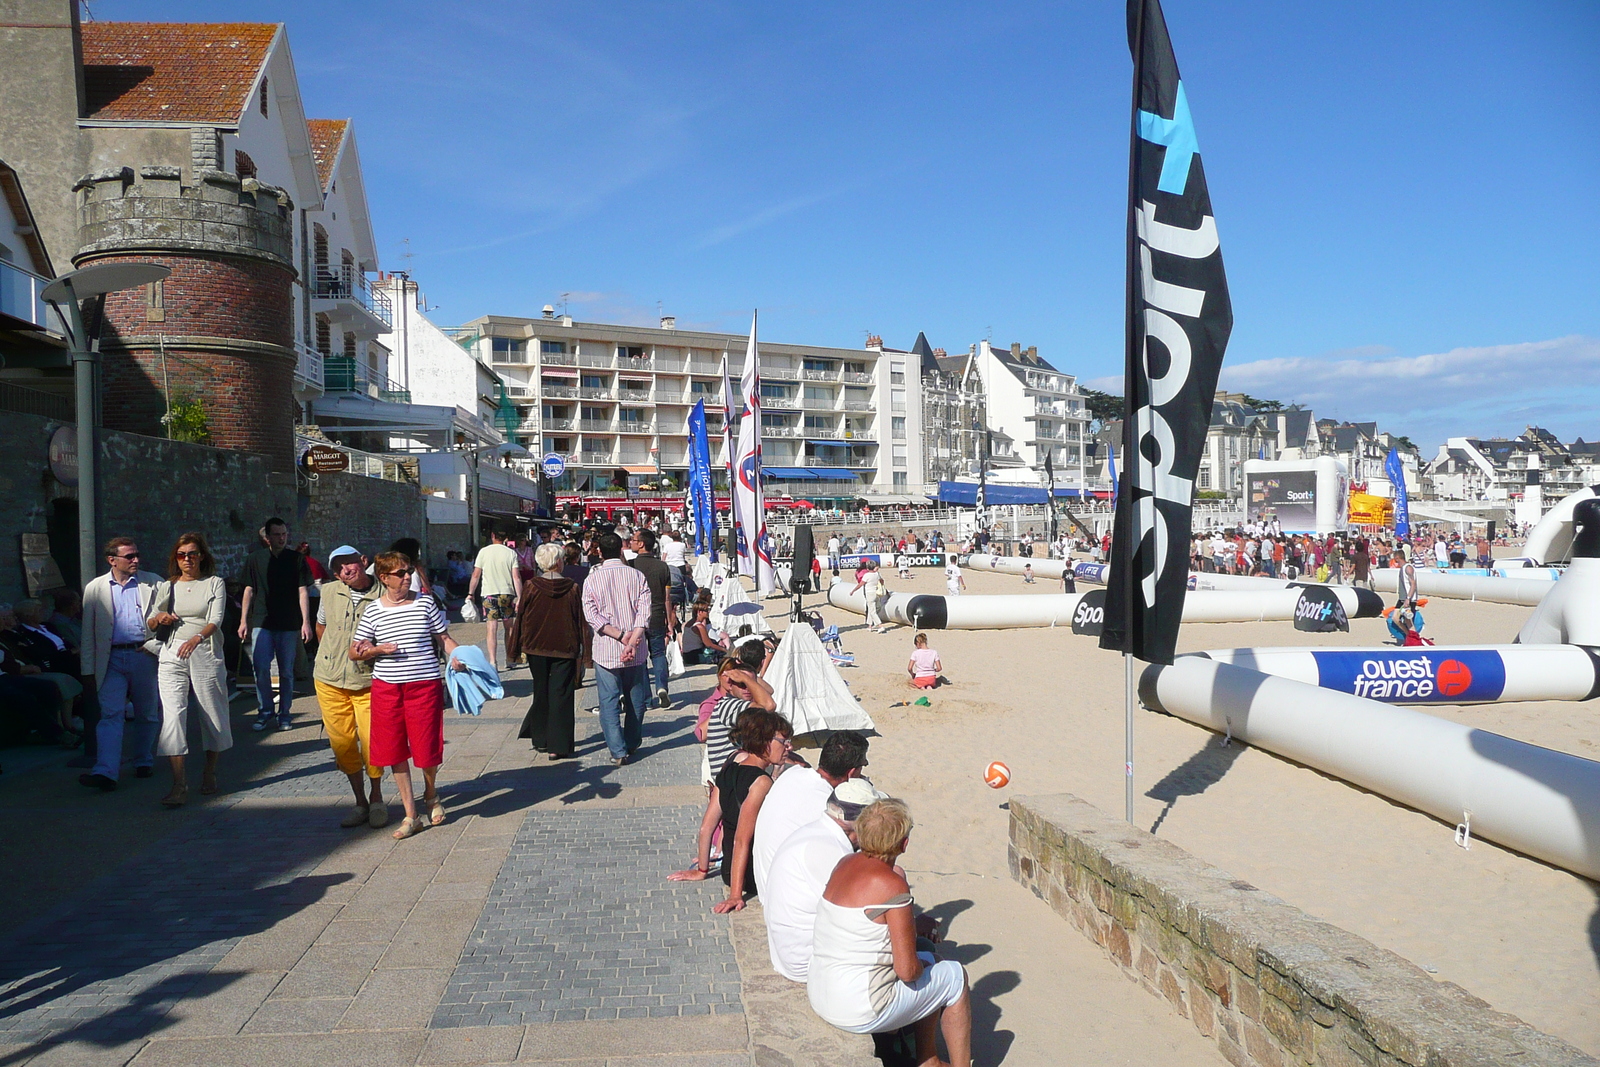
(1288, 496)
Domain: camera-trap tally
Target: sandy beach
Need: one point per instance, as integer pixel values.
(1521, 935)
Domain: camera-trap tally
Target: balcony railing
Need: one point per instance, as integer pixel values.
(562, 392)
(860, 435)
(637, 396)
(596, 425)
(589, 392)
(635, 426)
(823, 433)
(670, 398)
(782, 431)
(855, 377)
(636, 362)
(697, 367)
(561, 424)
(597, 458)
(353, 285)
(857, 405)
(820, 375)
(596, 361)
(780, 403)
(309, 366)
(341, 374)
(819, 403)
(20, 298)
(558, 359)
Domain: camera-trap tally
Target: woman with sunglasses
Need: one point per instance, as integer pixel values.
(191, 602)
(396, 634)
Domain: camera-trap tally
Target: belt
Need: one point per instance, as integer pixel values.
(127, 647)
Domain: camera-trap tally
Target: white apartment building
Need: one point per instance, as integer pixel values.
(1037, 405)
(615, 401)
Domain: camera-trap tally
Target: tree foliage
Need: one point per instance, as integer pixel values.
(186, 420)
(1103, 407)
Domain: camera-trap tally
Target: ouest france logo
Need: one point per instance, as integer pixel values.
(1414, 676)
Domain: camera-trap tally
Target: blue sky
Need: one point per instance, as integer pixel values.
(1408, 194)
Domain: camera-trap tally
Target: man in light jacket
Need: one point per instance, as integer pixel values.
(119, 650)
(344, 685)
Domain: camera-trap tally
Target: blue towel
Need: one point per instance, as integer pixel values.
(471, 688)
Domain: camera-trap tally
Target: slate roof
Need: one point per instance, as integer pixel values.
(199, 73)
(924, 351)
(326, 137)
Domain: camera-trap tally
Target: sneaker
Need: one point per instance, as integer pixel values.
(144, 772)
(97, 781)
(663, 698)
(357, 817)
(285, 724)
(261, 723)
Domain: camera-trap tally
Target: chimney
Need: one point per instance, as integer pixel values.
(1016, 349)
(549, 311)
(669, 322)
(874, 341)
(939, 353)
(1033, 352)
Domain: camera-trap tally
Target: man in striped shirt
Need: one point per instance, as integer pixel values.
(616, 604)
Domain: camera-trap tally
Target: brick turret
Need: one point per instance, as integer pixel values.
(220, 330)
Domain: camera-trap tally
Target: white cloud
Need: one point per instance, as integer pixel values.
(730, 230)
(1480, 391)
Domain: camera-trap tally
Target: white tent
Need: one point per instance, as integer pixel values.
(726, 592)
(703, 571)
(809, 689)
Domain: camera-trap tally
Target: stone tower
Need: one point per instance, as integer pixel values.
(220, 330)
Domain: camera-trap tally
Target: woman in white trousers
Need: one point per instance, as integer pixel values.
(191, 602)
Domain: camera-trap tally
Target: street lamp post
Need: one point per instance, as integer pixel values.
(507, 448)
(63, 294)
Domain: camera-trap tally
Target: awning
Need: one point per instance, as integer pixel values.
(967, 493)
(830, 444)
(790, 474)
(834, 474)
(639, 470)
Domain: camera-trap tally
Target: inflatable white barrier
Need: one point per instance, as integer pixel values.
(1525, 591)
(1058, 609)
(1082, 569)
(1485, 674)
(1570, 612)
(1550, 541)
(1535, 800)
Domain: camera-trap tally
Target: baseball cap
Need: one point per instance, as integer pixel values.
(343, 550)
(853, 794)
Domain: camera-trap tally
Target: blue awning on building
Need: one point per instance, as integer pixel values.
(790, 474)
(835, 474)
(829, 444)
(995, 495)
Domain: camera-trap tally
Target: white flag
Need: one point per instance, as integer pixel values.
(755, 550)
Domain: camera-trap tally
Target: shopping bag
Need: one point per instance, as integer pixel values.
(675, 667)
(469, 611)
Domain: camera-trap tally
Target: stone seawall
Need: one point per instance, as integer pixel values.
(1270, 984)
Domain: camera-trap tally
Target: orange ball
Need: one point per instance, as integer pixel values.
(998, 775)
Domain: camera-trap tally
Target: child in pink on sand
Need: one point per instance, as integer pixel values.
(924, 666)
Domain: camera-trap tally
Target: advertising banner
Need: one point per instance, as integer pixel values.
(1288, 496)
(1414, 675)
(1320, 611)
(701, 501)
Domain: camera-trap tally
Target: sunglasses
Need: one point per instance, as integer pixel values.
(396, 574)
(126, 555)
(191, 555)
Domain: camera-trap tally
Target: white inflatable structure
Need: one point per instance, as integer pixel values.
(808, 688)
(1570, 612)
(1483, 674)
(1550, 541)
(1083, 570)
(726, 591)
(1524, 591)
(1535, 800)
(932, 612)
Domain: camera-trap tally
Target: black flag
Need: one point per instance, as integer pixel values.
(1050, 494)
(1179, 318)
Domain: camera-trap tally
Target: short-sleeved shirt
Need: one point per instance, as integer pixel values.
(922, 661)
(277, 581)
(410, 625)
(794, 883)
(719, 748)
(659, 579)
(499, 566)
(797, 797)
(672, 552)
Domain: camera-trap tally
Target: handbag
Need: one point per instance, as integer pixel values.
(164, 631)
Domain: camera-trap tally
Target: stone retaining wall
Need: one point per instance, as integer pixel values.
(1270, 984)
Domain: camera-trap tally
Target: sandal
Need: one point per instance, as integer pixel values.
(176, 799)
(435, 812)
(208, 785)
(409, 827)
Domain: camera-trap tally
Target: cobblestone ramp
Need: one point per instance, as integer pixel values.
(581, 924)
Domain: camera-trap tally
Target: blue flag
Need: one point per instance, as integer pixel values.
(1111, 469)
(1402, 506)
(701, 501)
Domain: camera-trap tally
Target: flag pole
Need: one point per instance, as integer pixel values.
(1129, 430)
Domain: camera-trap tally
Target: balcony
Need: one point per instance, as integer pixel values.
(589, 392)
(823, 433)
(558, 359)
(560, 424)
(20, 299)
(349, 300)
(639, 363)
(341, 374)
(819, 403)
(820, 375)
(308, 367)
(780, 403)
(698, 367)
(857, 405)
(597, 425)
(597, 361)
(636, 396)
(635, 426)
(665, 397)
(787, 374)
(782, 431)
(857, 378)
(598, 457)
(860, 435)
(560, 392)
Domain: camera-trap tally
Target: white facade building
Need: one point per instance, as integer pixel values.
(615, 401)
(1037, 405)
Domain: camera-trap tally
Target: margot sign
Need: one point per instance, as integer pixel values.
(323, 459)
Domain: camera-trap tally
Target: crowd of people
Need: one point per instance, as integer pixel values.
(1261, 549)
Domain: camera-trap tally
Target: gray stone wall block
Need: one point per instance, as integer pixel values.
(1270, 985)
